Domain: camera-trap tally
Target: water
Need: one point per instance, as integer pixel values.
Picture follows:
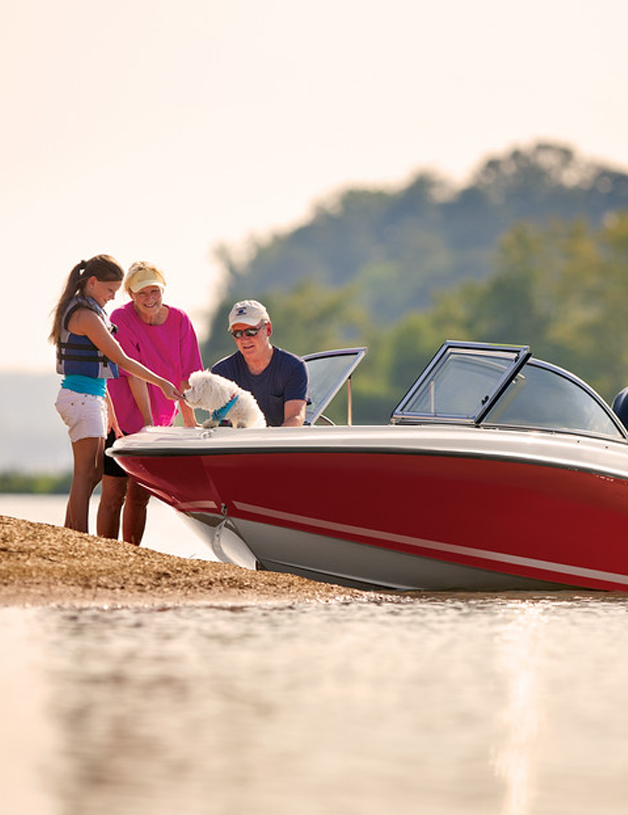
(507, 704)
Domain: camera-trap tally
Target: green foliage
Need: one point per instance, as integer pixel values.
(562, 290)
(400, 248)
(13, 482)
(533, 251)
(307, 318)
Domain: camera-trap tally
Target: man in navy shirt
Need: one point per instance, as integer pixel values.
(277, 379)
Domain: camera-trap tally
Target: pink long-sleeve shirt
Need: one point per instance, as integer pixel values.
(170, 350)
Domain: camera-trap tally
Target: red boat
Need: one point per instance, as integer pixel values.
(497, 471)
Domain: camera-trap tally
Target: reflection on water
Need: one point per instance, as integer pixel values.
(518, 658)
(27, 734)
(440, 704)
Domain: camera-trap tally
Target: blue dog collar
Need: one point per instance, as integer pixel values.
(219, 414)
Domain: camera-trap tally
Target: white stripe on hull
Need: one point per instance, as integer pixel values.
(336, 560)
(565, 571)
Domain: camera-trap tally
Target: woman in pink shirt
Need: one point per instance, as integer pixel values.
(162, 338)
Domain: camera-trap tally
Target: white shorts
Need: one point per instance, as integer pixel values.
(84, 414)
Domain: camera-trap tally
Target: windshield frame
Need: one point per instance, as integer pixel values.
(501, 369)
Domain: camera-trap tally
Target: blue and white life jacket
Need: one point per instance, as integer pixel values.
(76, 354)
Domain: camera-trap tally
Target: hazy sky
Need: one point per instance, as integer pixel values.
(156, 129)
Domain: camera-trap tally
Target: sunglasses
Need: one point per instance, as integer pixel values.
(247, 332)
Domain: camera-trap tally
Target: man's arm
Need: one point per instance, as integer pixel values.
(294, 413)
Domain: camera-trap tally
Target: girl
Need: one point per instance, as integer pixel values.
(88, 355)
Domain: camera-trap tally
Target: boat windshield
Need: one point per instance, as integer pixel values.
(543, 396)
(328, 371)
(461, 381)
(503, 386)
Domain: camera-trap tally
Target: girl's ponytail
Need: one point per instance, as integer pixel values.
(102, 267)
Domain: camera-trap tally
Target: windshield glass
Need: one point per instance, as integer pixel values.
(327, 372)
(542, 397)
(503, 385)
(460, 384)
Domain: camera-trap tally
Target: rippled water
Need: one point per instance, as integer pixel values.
(510, 704)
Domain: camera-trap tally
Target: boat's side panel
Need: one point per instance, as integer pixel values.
(535, 522)
(353, 564)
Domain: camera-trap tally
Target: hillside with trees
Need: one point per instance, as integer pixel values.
(534, 250)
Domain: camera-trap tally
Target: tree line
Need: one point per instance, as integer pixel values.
(400, 247)
(533, 251)
(562, 289)
(15, 482)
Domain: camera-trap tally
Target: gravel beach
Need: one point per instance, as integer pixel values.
(41, 564)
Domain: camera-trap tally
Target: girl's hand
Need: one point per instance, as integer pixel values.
(170, 392)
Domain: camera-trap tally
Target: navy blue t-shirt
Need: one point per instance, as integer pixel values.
(284, 378)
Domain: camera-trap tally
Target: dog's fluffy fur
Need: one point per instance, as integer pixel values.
(210, 392)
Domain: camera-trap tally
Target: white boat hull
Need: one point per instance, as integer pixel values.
(345, 563)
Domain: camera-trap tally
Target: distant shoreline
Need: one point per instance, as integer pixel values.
(45, 565)
(18, 482)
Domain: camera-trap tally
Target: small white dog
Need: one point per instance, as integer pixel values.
(224, 400)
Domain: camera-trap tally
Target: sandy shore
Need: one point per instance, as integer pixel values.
(42, 564)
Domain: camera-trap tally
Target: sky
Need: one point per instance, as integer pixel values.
(161, 129)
